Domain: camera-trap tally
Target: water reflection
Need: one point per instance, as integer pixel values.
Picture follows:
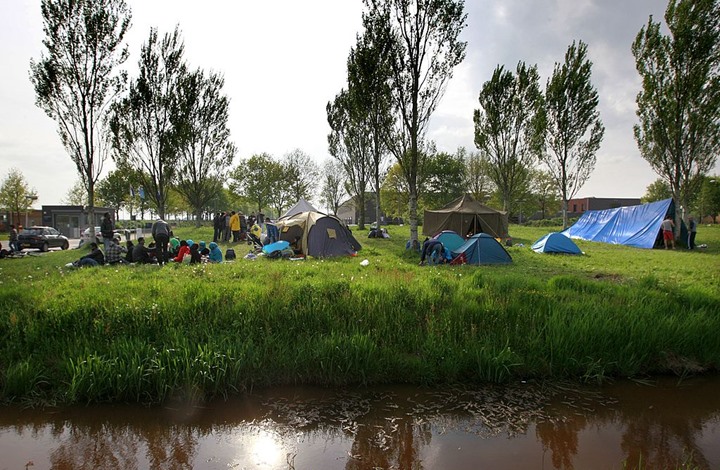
(628, 425)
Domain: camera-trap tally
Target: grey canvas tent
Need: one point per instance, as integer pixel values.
(319, 235)
(465, 215)
(301, 206)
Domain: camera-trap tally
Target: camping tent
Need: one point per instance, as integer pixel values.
(450, 240)
(637, 226)
(318, 234)
(301, 206)
(556, 242)
(466, 215)
(481, 248)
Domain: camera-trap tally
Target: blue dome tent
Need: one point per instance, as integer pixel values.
(556, 242)
(481, 248)
(450, 239)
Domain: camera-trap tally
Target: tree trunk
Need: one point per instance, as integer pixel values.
(565, 213)
(361, 219)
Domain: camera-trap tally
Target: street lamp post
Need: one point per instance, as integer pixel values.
(30, 198)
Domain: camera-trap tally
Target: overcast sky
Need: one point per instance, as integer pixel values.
(284, 60)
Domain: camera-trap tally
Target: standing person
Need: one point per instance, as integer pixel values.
(107, 227)
(217, 227)
(14, 246)
(226, 228)
(692, 231)
(161, 235)
(235, 226)
(667, 230)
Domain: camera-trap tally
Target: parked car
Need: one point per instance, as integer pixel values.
(42, 238)
(124, 234)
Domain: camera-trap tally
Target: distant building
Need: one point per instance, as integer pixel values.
(349, 211)
(71, 220)
(578, 206)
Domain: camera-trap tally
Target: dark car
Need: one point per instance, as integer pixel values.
(42, 238)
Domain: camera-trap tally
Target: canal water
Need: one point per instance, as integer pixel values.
(658, 424)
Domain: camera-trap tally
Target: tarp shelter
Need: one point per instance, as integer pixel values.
(319, 235)
(637, 226)
(481, 248)
(450, 240)
(465, 215)
(301, 206)
(556, 242)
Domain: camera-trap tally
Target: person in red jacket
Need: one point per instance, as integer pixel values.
(184, 250)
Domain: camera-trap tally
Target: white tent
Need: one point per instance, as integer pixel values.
(301, 206)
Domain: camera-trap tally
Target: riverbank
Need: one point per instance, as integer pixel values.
(148, 334)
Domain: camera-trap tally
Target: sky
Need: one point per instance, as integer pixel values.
(284, 60)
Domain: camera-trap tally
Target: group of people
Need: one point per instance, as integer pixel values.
(667, 227)
(235, 225)
(165, 248)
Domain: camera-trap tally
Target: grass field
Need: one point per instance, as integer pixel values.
(150, 333)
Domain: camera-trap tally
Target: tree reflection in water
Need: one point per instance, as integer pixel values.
(389, 427)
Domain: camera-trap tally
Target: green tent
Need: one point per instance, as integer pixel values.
(466, 216)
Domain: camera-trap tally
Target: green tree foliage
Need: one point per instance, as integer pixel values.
(679, 104)
(142, 125)
(300, 176)
(350, 144)
(708, 201)
(574, 130)
(16, 195)
(477, 174)
(424, 52)
(77, 194)
(656, 191)
(508, 127)
(202, 139)
(114, 190)
(369, 74)
(394, 192)
(544, 192)
(443, 179)
(255, 179)
(333, 186)
(76, 78)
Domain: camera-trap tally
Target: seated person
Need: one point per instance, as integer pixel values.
(140, 253)
(115, 253)
(129, 246)
(182, 251)
(94, 258)
(195, 256)
(215, 255)
(296, 246)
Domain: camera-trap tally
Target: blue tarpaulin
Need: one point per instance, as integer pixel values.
(636, 226)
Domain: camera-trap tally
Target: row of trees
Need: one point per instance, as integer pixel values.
(168, 126)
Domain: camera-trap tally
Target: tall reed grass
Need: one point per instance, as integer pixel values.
(149, 333)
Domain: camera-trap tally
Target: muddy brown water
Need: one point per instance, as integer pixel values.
(664, 423)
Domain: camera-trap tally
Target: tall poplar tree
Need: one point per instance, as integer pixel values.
(77, 78)
(574, 130)
(424, 52)
(142, 124)
(202, 139)
(679, 104)
(508, 127)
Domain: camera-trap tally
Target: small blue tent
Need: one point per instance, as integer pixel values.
(637, 226)
(450, 239)
(556, 242)
(481, 248)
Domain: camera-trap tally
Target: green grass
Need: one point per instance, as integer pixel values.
(149, 333)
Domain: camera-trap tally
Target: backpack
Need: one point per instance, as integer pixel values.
(230, 254)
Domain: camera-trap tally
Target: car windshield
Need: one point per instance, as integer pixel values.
(32, 231)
